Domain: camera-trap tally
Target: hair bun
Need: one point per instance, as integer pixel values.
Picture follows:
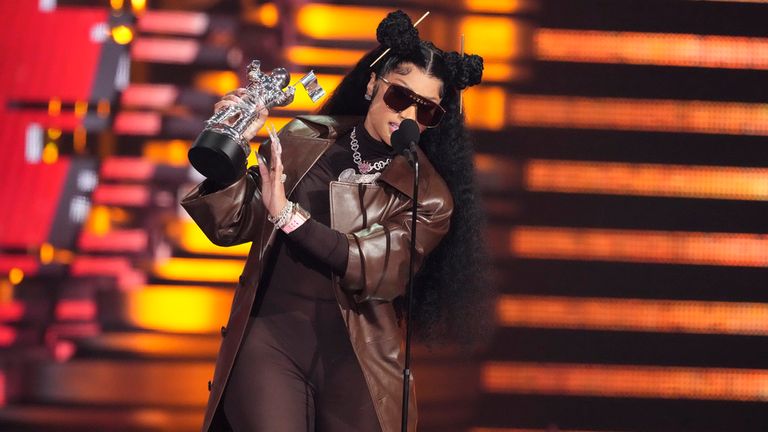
(397, 33)
(472, 70)
(464, 70)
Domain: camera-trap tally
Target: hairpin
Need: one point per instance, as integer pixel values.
(461, 92)
(387, 50)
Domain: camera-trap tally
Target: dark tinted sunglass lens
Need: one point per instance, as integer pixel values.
(429, 115)
(397, 98)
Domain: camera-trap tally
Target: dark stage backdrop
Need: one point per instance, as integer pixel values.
(621, 154)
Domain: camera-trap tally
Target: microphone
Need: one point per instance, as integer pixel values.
(405, 138)
(404, 141)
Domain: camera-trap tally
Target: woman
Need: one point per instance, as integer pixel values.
(314, 335)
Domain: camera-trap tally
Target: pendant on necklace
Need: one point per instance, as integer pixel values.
(364, 167)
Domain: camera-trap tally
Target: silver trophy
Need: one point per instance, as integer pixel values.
(220, 152)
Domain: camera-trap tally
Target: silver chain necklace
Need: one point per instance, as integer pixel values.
(364, 166)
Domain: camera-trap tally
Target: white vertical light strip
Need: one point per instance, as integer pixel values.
(46, 5)
(99, 32)
(33, 143)
(123, 72)
(79, 207)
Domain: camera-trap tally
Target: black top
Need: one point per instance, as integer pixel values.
(303, 261)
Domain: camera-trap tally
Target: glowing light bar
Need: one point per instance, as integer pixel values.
(118, 267)
(157, 96)
(663, 316)
(174, 22)
(711, 182)
(217, 82)
(199, 269)
(666, 49)
(662, 115)
(493, 38)
(162, 345)
(317, 56)
(11, 311)
(138, 123)
(165, 50)
(484, 107)
(127, 168)
(189, 237)
(126, 240)
(266, 15)
(179, 309)
(84, 265)
(501, 72)
(170, 152)
(625, 381)
(27, 264)
(134, 195)
(496, 6)
(321, 21)
(674, 247)
(76, 310)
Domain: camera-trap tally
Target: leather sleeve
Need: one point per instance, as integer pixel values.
(227, 216)
(377, 264)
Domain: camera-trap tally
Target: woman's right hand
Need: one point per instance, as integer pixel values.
(233, 98)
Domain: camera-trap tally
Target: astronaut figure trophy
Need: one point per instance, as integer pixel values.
(220, 153)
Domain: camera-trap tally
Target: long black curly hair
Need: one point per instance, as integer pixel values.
(452, 293)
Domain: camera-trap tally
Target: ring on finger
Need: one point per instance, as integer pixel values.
(282, 178)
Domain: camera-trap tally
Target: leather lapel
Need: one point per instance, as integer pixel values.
(306, 140)
(399, 174)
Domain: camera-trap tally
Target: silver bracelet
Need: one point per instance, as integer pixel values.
(282, 218)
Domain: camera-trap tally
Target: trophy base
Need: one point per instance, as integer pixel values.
(218, 157)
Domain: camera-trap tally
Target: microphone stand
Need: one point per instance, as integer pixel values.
(413, 159)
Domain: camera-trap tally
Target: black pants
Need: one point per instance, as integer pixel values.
(297, 375)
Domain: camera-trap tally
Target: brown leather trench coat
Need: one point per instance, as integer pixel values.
(375, 217)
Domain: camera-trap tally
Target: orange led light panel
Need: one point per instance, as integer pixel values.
(699, 248)
(664, 316)
(709, 182)
(662, 115)
(320, 21)
(625, 381)
(685, 50)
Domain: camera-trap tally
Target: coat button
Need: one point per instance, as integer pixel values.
(223, 331)
(241, 279)
(210, 385)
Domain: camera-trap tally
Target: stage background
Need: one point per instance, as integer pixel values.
(621, 154)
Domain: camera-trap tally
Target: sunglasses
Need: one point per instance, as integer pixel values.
(399, 98)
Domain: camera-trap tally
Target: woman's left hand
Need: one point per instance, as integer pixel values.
(272, 188)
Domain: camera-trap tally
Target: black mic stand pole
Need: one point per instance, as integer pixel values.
(414, 159)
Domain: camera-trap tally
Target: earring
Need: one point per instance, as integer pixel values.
(367, 97)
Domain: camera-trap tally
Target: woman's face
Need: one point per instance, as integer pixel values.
(381, 120)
